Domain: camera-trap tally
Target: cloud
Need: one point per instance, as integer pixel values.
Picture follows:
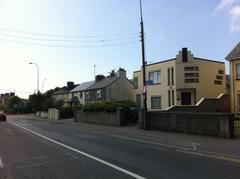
(232, 8)
(223, 5)
(235, 19)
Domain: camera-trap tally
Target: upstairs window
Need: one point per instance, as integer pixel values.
(238, 71)
(154, 77)
(99, 94)
(135, 81)
(193, 68)
(87, 95)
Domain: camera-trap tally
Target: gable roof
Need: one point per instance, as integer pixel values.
(82, 86)
(234, 53)
(103, 83)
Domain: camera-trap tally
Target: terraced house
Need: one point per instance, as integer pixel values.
(183, 80)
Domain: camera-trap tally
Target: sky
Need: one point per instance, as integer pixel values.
(67, 37)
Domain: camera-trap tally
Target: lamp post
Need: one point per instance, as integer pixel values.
(144, 91)
(43, 83)
(31, 63)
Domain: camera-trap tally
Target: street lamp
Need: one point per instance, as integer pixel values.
(31, 63)
(43, 83)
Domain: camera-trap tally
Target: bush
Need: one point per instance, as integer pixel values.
(108, 106)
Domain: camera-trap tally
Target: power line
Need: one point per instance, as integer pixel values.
(70, 46)
(66, 36)
(13, 90)
(61, 40)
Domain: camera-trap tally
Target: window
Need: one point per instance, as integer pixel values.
(80, 94)
(191, 75)
(98, 94)
(217, 82)
(87, 95)
(172, 72)
(156, 102)
(168, 72)
(135, 81)
(219, 77)
(173, 98)
(169, 98)
(154, 77)
(191, 68)
(192, 80)
(138, 100)
(220, 72)
(238, 71)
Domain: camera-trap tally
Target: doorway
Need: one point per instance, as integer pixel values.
(186, 98)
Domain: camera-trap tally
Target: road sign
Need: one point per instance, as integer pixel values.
(149, 82)
(143, 89)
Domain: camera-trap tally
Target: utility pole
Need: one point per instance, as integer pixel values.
(144, 91)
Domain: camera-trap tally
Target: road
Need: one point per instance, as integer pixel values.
(41, 149)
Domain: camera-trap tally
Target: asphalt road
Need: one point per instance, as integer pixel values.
(36, 149)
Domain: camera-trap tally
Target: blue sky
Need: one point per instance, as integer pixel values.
(106, 33)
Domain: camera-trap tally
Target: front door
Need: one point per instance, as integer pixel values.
(186, 98)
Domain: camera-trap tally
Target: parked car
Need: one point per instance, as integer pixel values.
(2, 116)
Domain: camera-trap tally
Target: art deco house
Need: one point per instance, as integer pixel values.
(183, 80)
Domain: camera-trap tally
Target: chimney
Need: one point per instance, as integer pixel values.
(70, 84)
(12, 94)
(6, 94)
(121, 73)
(99, 78)
(184, 55)
(2, 95)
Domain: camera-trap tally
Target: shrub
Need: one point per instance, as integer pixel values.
(108, 106)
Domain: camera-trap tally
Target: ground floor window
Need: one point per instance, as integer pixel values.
(138, 100)
(156, 102)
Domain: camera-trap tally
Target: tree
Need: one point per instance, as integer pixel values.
(12, 104)
(35, 102)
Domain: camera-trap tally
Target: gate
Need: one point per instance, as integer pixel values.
(131, 116)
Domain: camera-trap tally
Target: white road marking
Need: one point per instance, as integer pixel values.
(83, 153)
(212, 155)
(1, 163)
(152, 143)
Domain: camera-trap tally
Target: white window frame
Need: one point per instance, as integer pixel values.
(99, 94)
(155, 77)
(160, 103)
(87, 95)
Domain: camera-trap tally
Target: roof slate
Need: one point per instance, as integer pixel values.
(234, 53)
(82, 86)
(103, 83)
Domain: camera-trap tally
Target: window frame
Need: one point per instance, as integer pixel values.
(151, 74)
(153, 106)
(237, 71)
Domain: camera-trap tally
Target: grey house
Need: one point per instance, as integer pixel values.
(115, 87)
(78, 93)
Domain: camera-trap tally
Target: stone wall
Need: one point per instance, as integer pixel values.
(212, 124)
(107, 118)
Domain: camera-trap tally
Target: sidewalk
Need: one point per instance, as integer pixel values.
(214, 145)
